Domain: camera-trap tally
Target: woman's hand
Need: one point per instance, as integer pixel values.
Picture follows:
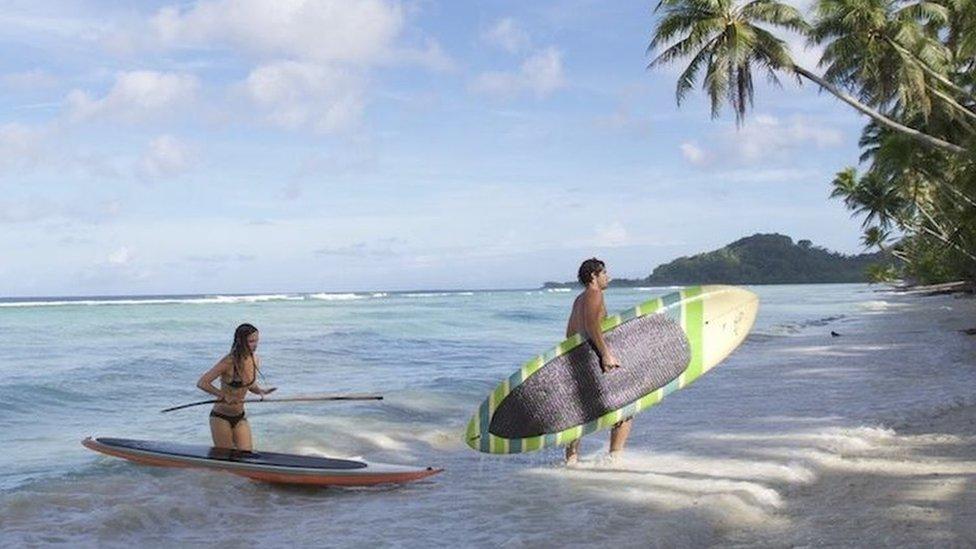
(268, 391)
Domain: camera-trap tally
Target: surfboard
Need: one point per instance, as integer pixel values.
(663, 345)
(263, 466)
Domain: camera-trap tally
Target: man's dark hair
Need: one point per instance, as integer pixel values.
(590, 268)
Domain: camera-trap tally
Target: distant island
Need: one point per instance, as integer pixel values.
(757, 259)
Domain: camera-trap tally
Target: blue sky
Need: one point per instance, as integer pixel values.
(285, 146)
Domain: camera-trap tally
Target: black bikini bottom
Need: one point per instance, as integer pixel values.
(233, 420)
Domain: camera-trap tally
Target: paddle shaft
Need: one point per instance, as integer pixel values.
(303, 398)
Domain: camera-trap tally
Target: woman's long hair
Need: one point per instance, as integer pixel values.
(240, 350)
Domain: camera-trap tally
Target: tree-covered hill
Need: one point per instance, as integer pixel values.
(758, 259)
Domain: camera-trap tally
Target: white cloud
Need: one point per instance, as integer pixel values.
(306, 60)
(135, 96)
(122, 256)
(693, 153)
(614, 234)
(71, 210)
(167, 157)
(508, 35)
(540, 75)
(27, 211)
(544, 71)
(297, 95)
(20, 145)
(322, 30)
(383, 248)
(431, 55)
(764, 136)
(764, 139)
(31, 80)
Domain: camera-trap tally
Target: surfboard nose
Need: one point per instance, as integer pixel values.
(729, 313)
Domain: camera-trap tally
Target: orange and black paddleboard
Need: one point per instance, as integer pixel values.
(263, 466)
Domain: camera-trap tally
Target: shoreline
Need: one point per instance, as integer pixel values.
(945, 288)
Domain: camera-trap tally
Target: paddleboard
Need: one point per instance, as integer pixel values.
(662, 345)
(263, 466)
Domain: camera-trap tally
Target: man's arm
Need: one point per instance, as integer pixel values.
(593, 317)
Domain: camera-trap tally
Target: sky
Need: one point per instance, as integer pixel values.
(251, 146)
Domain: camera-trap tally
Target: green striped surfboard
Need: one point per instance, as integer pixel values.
(714, 319)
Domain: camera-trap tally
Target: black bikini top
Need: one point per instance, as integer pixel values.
(237, 381)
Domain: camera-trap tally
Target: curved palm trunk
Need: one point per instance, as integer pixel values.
(959, 194)
(930, 71)
(924, 138)
(953, 103)
(938, 235)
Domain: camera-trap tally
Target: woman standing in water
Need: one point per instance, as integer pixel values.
(238, 373)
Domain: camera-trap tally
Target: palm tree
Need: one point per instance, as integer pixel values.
(871, 196)
(875, 237)
(881, 49)
(728, 41)
(881, 199)
(961, 33)
(878, 237)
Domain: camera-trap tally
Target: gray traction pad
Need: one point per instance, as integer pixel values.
(571, 389)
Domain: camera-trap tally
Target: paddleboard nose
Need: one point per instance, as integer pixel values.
(728, 316)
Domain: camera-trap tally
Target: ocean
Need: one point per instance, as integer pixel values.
(70, 368)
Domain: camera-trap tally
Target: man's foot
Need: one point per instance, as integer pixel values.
(610, 460)
(572, 453)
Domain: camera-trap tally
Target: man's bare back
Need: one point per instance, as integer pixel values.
(576, 324)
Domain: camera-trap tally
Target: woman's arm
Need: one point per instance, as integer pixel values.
(205, 383)
(254, 388)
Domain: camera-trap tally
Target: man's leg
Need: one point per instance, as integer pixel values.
(572, 452)
(618, 437)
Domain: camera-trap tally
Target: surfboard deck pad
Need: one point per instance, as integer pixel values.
(572, 389)
(232, 456)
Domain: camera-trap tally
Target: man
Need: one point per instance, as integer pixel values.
(588, 312)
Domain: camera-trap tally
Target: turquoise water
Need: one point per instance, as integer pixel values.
(71, 369)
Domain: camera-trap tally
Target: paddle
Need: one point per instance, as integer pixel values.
(300, 398)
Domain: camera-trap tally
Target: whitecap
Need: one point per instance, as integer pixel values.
(336, 297)
(209, 300)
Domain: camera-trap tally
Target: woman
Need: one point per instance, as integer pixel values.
(238, 373)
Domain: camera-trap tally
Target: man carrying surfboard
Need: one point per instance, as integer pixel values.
(588, 312)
